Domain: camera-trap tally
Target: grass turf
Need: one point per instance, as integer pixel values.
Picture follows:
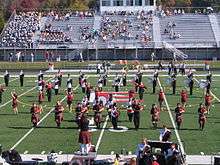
(65, 139)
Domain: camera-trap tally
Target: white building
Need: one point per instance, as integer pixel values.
(127, 5)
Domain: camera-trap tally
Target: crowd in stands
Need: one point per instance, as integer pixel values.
(53, 35)
(126, 26)
(20, 30)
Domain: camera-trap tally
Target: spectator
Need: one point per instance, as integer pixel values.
(32, 57)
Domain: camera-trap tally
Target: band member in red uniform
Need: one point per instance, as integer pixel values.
(1, 91)
(114, 116)
(155, 115)
(35, 114)
(184, 97)
(136, 108)
(208, 102)
(130, 113)
(49, 87)
(69, 99)
(100, 83)
(59, 77)
(14, 102)
(202, 116)
(109, 105)
(98, 108)
(78, 111)
(161, 99)
(40, 97)
(131, 94)
(179, 115)
(58, 113)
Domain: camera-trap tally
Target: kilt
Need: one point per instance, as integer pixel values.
(84, 137)
(69, 102)
(14, 104)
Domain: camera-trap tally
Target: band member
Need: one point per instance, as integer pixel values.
(83, 84)
(184, 97)
(40, 97)
(59, 77)
(78, 111)
(173, 83)
(169, 68)
(100, 83)
(179, 110)
(136, 108)
(98, 108)
(139, 75)
(208, 86)
(124, 79)
(114, 116)
(35, 114)
(84, 135)
(130, 112)
(69, 83)
(6, 78)
(98, 68)
(21, 76)
(81, 75)
(14, 102)
(58, 113)
(136, 81)
(155, 77)
(190, 74)
(49, 91)
(131, 94)
(109, 105)
(191, 84)
(202, 116)
(40, 76)
(208, 102)
(165, 134)
(41, 84)
(104, 77)
(89, 89)
(141, 90)
(69, 99)
(56, 86)
(183, 68)
(161, 97)
(209, 77)
(1, 92)
(117, 82)
(155, 115)
(160, 65)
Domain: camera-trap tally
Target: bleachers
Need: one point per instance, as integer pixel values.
(193, 28)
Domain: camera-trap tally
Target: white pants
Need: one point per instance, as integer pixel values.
(84, 148)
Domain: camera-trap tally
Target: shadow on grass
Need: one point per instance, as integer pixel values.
(20, 127)
(7, 114)
(55, 127)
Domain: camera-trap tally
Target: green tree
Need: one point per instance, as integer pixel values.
(80, 5)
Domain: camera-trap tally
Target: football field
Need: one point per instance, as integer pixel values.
(17, 132)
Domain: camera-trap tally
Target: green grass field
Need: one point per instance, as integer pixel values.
(47, 137)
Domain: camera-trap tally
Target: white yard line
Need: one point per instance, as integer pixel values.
(32, 129)
(101, 134)
(10, 80)
(172, 120)
(210, 91)
(21, 95)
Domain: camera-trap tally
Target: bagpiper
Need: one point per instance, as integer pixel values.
(208, 102)
(179, 110)
(155, 115)
(69, 96)
(14, 102)
(202, 116)
(184, 97)
(58, 113)
(1, 92)
(69, 83)
(114, 116)
(35, 114)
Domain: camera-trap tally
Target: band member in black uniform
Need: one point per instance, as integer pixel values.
(160, 65)
(114, 116)
(69, 83)
(209, 77)
(21, 76)
(156, 74)
(1, 92)
(124, 79)
(109, 105)
(208, 86)
(136, 81)
(117, 82)
(100, 83)
(179, 110)
(173, 83)
(83, 84)
(104, 77)
(81, 75)
(139, 75)
(130, 112)
(183, 68)
(89, 89)
(56, 86)
(60, 76)
(6, 78)
(169, 68)
(136, 108)
(191, 83)
(40, 76)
